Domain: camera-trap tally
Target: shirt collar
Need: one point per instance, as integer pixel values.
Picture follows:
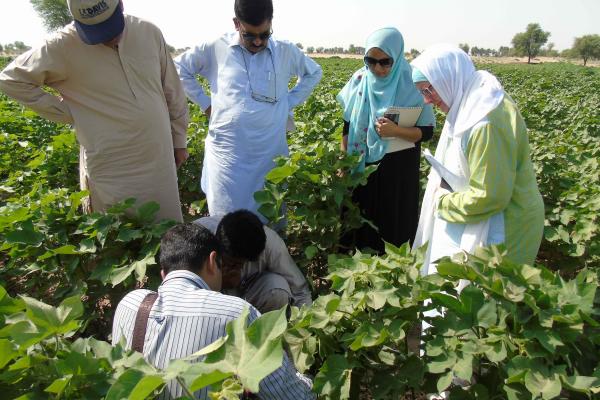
(233, 39)
(186, 277)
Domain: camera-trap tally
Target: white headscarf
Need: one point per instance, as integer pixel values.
(470, 96)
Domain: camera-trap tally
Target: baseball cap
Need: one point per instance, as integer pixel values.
(97, 21)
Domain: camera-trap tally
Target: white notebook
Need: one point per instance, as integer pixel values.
(453, 180)
(404, 117)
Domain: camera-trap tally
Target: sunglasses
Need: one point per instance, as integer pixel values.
(428, 91)
(251, 37)
(384, 62)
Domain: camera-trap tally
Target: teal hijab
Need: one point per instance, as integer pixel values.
(366, 97)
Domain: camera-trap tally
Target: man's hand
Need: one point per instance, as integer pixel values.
(180, 156)
(385, 127)
(207, 112)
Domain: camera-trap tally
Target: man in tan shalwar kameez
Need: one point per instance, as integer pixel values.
(120, 90)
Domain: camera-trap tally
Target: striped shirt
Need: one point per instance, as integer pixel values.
(188, 316)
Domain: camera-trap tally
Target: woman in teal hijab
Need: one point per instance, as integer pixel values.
(391, 197)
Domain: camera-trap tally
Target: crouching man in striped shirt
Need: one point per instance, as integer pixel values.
(189, 313)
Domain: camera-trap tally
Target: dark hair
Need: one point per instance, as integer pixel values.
(241, 235)
(253, 12)
(186, 247)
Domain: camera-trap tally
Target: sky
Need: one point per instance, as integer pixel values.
(339, 23)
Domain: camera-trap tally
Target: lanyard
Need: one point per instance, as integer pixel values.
(257, 96)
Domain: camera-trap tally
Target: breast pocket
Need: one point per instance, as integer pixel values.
(143, 73)
(264, 83)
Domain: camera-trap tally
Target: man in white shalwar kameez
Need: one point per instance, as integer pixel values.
(250, 103)
(121, 92)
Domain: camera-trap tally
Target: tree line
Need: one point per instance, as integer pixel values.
(14, 48)
(533, 42)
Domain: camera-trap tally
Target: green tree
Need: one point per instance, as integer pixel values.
(503, 51)
(299, 45)
(310, 49)
(568, 53)
(586, 47)
(21, 47)
(54, 13)
(1, 48)
(15, 48)
(414, 53)
(464, 47)
(531, 41)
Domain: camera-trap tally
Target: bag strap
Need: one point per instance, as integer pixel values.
(141, 322)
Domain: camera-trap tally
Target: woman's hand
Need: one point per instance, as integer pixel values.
(385, 128)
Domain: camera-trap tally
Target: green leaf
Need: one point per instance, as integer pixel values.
(118, 275)
(368, 336)
(463, 368)
(442, 363)
(497, 352)
(147, 211)
(310, 252)
(59, 385)
(66, 249)
(60, 319)
(444, 381)
(376, 299)
(302, 347)
(127, 235)
(26, 235)
(263, 197)
(540, 384)
(516, 392)
(134, 384)
(334, 377)
(8, 305)
(447, 301)
(547, 338)
(87, 246)
(583, 384)
(486, 316)
(253, 354)
(450, 269)
(201, 375)
(7, 352)
(122, 206)
(278, 174)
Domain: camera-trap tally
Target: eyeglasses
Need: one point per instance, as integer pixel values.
(257, 96)
(384, 62)
(428, 91)
(251, 37)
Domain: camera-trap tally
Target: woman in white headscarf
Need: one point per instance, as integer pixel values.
(484, 147)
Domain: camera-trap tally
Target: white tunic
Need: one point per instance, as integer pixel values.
(244, 134)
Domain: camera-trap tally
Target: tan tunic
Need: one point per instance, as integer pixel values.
(127, 106)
